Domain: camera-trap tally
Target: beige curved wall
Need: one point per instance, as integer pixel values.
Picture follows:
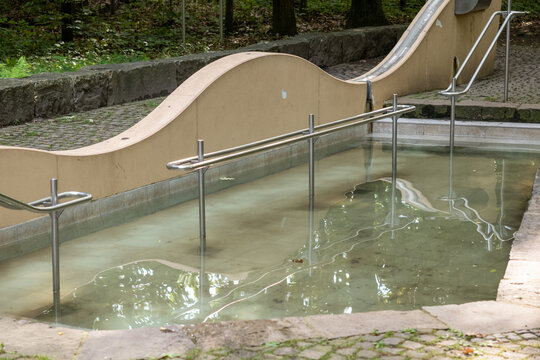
(237, 99)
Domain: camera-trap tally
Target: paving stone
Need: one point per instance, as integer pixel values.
(512, 336)
(530, 350)
(373, 338)
(416, 355)
(392, 358)
(427, 338)
(513, 355)
(366, 354)
(392, 341)
(312, 353)
(528, 336)
(433, 350)
(412, 345)
(530, 343)
(489, 350)
(285, 351)
(363, 345)
(335, 357)
(393, 350)
(447, 343)
(346, 351)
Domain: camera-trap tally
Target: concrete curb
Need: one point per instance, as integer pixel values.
(47, 95)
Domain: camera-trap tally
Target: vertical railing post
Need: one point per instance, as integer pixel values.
(452, 114)
(55, 249)
(311, 186)
(202, 200)
(507, 52)
(394, 163)
(202, 223)
(184, 22)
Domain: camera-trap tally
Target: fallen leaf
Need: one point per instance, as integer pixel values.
(467, 350)
(297, 261)
(165, 330)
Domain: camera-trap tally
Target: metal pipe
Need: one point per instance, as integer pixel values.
(452, 114)
(55, 250)
(311, 142)
(187, 164)
(394, 164)
(507, 53)
(486, 55)
(184, 22)
(202, 195)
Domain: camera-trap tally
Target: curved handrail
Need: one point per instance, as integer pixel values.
(45, 205)
(450, 90)
(192, 163)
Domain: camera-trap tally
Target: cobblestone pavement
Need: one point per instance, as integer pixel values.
(87, 128)
(400, 345)
(405, 344)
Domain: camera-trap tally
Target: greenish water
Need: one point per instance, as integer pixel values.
(360, 255)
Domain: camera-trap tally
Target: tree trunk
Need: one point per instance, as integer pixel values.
(302, 6)
(366, 13)
(283, 20)
(66, 9)
(229, 20)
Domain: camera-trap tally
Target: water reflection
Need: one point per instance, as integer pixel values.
(358, 261)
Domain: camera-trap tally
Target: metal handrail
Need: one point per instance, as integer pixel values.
(54, 208)
(450, 90)
(192, 163)
(45, 205)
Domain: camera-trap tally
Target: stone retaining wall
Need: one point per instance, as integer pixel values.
(49, 94)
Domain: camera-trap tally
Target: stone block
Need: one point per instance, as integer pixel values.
(188, 65)
(263, 46)
(497, 114)
(528, 113)
(298, 46)
(379, 41)
(354, 45)
(90, 89)
(468, 112)
(140, 80)
(325, 49)
(16, 101)
(53, 94)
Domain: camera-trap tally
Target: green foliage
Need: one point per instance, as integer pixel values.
(142, 29)
(532, 6)
(328, 6)
(12, 69)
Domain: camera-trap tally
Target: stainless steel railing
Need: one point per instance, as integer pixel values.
(201, 162)
(451, 89)
(50, 205)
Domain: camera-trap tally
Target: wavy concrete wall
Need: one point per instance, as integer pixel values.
(234, 100)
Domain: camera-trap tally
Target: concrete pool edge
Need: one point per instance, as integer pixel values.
(517, 307)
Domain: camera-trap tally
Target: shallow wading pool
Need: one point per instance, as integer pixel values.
(448, 242)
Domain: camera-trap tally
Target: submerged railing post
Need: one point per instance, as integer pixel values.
(394, 163)
(452, 114)
(311, 142)
(507, 52)
(202, 195)
(55, 249)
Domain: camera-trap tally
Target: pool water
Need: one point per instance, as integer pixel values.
(446, 241)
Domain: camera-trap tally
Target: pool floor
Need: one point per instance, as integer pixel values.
(263, 260)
